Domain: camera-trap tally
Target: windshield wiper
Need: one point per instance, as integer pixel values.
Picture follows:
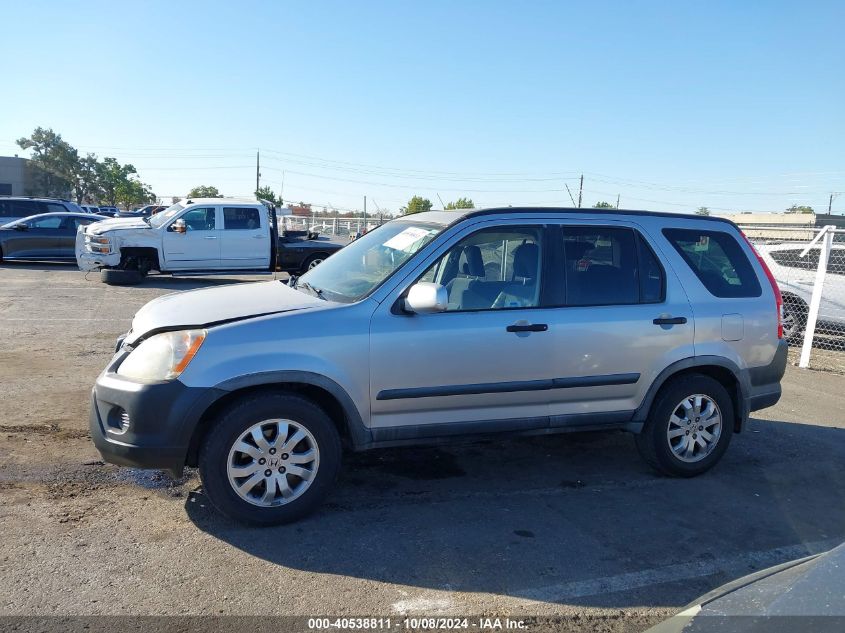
(317, 292)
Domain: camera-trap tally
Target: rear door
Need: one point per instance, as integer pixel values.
(66, 238)
(622, 317)
(245, 238)
(198, 248)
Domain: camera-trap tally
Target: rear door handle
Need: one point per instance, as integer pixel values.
(531, 327)
(210, 237)
(670, 321)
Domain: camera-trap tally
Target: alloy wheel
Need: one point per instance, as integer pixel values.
(694, 428)
(273, 463)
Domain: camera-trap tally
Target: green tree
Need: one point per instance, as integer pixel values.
(702, 211)
(799, 209)
(460, 203)
(133, 192)
(113, 179)
(266, 193)
(417, 204)
(87, 181)
(55, 163)
(204, 191)
(603, 205)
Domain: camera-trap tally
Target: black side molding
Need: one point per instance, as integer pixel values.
(508, 387)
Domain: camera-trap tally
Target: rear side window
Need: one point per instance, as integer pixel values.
(609, 266)
(717, 260)
(243, 218)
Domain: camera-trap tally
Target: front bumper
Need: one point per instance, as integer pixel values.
(95, 261)
(145, 425)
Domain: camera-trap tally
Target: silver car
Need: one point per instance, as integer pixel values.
(449, 324)
(796, 277)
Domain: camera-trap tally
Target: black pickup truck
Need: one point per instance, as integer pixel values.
(299, 251)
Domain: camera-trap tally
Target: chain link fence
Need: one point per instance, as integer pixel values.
(809, 267)
(348, 227)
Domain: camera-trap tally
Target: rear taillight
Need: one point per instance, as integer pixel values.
(771, 278)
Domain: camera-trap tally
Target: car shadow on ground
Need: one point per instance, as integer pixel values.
(576, 519)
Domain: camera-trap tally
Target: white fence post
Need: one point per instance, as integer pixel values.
(825, 237)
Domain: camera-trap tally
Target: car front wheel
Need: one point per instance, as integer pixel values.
(689, 426)
(270, 459)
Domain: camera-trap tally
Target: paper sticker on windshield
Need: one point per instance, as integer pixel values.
(406, 238)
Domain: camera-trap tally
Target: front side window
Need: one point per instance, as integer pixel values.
(201, 219)
(491, 269)
(50, 222)
(161, 218)
(53, 207)
(717, 260)
(357, 269)
(241, 218)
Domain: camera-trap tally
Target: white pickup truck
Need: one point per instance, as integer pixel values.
(197, 235)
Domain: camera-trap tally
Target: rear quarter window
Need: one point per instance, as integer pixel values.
(718, 261)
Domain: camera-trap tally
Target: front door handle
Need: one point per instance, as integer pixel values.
(670, 321)
(210, 237)
(530, 327)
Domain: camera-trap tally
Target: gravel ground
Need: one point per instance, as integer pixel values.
(573, 526)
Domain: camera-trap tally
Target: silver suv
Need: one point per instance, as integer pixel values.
(444, 325)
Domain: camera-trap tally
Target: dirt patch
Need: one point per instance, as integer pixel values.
(51, 429)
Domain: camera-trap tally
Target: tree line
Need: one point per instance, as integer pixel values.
(58, 171)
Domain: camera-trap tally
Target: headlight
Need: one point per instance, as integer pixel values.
(163, 356)
(98, 244)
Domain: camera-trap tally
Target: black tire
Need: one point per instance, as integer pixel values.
(306, 265)
(120, 277)
(794, 319)
(653, 443)
(233, 422)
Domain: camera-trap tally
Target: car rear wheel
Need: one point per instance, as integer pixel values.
(689, 426)
(313, 262)
(270, 459)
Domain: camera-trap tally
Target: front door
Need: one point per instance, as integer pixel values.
(245, 238)
(38, 240)
(198, 248)
(624, 318)
(482, 364)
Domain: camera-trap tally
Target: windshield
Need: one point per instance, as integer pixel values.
(354, 271)
(166, 215)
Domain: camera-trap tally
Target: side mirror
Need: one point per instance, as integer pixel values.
(20, 227)
(179, 226)
(426, 297)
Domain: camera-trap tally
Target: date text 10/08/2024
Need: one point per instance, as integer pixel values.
(417, 623)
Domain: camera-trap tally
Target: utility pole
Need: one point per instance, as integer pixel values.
(580, 190)
(257, 171)
(617, 201)
(830, 204)
(365, 213)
